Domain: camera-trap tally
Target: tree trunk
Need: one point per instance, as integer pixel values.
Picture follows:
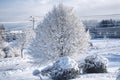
(22, 55)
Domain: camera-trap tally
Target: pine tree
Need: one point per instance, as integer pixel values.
(60, 34)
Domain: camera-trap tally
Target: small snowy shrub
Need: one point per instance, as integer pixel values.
(64, 68)
(95, 64)
(37, 73)
(2, 54)
(6, 51)
(10, 38)
(46, 71)
(11, 52)
(118, 75)
(14, 52)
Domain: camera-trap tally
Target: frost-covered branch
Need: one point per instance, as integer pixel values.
(60, 34)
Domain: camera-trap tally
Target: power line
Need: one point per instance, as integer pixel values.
(12, 22)
(101, 15)
(34, 18)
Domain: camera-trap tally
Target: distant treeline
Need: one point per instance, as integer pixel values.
(109, 23)
(105, 28)
(101, 24)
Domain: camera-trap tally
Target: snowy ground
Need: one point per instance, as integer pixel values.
(21, 69)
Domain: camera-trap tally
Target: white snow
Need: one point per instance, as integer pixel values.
(67, 63)
(98, 58)
(22, 69)
(16, 31)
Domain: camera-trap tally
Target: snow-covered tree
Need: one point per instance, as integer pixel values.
(60, 34)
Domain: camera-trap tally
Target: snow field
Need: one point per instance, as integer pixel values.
(22, 69)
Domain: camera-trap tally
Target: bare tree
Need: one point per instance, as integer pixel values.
(23, 39)
(26, 38)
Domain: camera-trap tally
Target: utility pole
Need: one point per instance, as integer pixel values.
(33, 21)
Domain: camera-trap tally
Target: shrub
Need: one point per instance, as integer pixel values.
(63, 69)
(2, 54)
(14, 52)
(95, 64)
(37, 73)
(47, 71)
(118, 75)
(11, 52)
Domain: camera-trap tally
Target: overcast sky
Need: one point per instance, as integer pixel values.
(16, 10)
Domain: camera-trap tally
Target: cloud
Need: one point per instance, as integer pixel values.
(96, 7)
(23, 8)
(19, 9)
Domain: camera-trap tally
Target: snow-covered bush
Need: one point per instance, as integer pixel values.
(60, 33)
(95, 64)
(11, 52)
(23, 39)
(47, 71)
(64, 68)
(118, 75)
(6, 51)
(14, 52)
(37, 73)
(13, 43)
(2, 54)
(10, 37)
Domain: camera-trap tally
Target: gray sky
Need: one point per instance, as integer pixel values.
(18, 10)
